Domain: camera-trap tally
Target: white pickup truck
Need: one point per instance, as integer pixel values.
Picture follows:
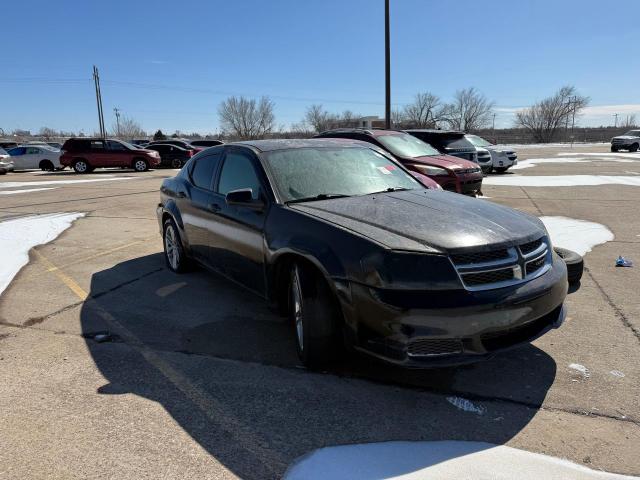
(629, 141)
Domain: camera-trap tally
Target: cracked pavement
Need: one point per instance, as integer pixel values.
(201, 379)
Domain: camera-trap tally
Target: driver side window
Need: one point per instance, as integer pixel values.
(238, 173)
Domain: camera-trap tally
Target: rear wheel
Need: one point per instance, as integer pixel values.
(81, 166)
(140, 165)
(176, 163)
(634, 147)
(46, 165)
(574, 262)
(174, 254)
(314, 313)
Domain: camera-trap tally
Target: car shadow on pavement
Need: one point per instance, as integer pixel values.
(225, 368)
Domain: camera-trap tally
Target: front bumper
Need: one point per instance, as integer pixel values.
(470, 183)
(421, 329)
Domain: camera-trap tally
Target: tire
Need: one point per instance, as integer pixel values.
(574, 262)
(174, 253)
(140, 165)
(314, 313)
(82, 166)
(633, 148)
(3, 171)
(614, 149)
(46, 166)
(176, 163)
(501, 169)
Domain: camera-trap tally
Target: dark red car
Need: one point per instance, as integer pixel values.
(85, 154)
(452, 173)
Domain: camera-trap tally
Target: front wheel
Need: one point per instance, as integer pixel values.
(614, 149)
(46, 166)
(140, 165)
(174, 254)
(176, 163)
(501, 169)
(314, 312)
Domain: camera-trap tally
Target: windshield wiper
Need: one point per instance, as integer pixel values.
(320, 196)
(391, 189)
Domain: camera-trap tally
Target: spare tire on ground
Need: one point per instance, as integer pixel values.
(574, 262)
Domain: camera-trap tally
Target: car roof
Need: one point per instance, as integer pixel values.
(436, 131)
(286, 144)
(374, 132)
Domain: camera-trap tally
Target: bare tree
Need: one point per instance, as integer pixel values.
(629, 121)
(545, 118)
(128, 129)
(423, 112)
(398, 118)
(470, 110)
(246, 118)
(47, 133)
(318, 118)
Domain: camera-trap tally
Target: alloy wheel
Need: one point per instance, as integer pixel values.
(296, 304)
(140, 166)
(171, 247)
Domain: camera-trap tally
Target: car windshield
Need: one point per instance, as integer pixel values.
(407, 146)
(478, 141)
(633, 133)
(306, 173)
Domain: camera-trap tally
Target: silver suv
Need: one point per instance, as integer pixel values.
(491, 157)
(629, 141)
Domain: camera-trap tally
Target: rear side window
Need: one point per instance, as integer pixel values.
(203, 170)
(97, 145)
(17, 151)
(32, 151)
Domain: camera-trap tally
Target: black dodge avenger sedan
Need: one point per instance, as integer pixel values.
(360, 255)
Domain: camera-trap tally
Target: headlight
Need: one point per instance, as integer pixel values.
(413, 271)
(431, 171)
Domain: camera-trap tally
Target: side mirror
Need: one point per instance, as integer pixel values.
(244, 198)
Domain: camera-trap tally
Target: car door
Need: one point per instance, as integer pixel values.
(238, 232)
(99, 155)
(32, 157)
(118, 155)
(196, 205)
(18, 155)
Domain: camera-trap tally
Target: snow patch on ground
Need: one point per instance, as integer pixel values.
(445, 460)
(580, 368)
(60, 182)
(635, 156)
(466, 405)
(532, 162)
(19, 235)
(562, 180)
(547, 145)
(577, 235)
(13, 192)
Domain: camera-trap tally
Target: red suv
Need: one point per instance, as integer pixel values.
(452, 173)
(85, 154)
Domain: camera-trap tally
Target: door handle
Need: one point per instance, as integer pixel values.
(214, 207)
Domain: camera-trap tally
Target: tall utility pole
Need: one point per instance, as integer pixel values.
(116, 110)
(96, 81)
(387, 67)
(616, 124)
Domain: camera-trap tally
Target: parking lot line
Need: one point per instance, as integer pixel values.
(214, 410)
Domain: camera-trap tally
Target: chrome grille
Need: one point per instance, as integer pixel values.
(504, 266)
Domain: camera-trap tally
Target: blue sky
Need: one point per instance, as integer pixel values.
(169, 64)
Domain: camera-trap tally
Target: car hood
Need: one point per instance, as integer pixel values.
(428, 220)
(626, 137)
(444, 161)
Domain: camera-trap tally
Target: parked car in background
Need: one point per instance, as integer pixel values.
(494, 157)
(351, 247)
(57, 145)
(179, 143)
(85, 154)
(6, 165)
(139, 141)
(629, 141)
(171, 155)
(452, 173)
(448, 142)
(205, 143)
(27, 157)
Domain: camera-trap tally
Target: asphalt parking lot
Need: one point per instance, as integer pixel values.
(199, 379)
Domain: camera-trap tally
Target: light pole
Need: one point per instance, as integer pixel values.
(117, 112)
(387, 67)
(615, 125)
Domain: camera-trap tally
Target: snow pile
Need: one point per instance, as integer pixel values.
(577, 235)
(4, 185)
(447, 460)
(19, 235)
(562, 180)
